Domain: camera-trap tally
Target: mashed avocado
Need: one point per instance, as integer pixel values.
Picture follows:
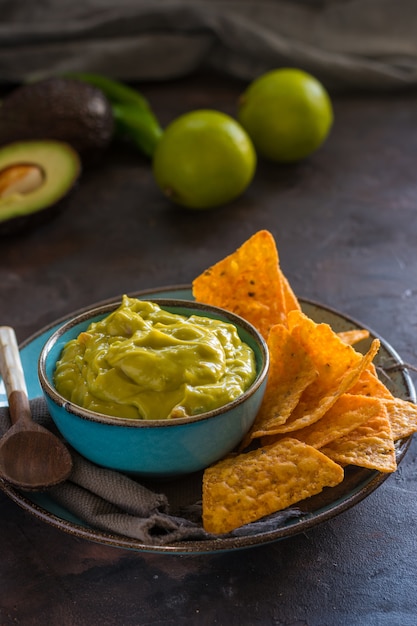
(143, 362)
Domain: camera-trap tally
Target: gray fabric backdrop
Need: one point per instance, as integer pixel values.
(366, 44)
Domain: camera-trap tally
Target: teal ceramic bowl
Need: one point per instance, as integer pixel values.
(154, 448)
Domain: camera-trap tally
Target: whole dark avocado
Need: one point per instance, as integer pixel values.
(59, 108)
(35, 177)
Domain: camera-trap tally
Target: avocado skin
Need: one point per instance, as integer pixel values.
(17, 226)
(59, 108)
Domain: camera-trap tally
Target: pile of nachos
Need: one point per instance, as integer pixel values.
(324, 406)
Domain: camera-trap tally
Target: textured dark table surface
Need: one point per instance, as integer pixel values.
(345, 222)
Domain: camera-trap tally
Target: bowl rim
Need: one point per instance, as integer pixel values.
(109, 420)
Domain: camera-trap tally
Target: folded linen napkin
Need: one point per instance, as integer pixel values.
(155, 514)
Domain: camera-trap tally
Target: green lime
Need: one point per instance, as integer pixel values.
(204, 159)
(287, 113)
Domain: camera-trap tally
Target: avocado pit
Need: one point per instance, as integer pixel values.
(20, 179)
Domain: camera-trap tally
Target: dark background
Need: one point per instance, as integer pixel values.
(345, 222)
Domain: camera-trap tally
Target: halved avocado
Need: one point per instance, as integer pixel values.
(34, 177)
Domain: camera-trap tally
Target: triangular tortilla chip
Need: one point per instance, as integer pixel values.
(370, 385)
(353, 336)
(402, 416)
(346, 414)
(245, 487)
(331, 355)
(371, 445)
(291, 371)
(248, 283)
(290, 299)
(338, 365)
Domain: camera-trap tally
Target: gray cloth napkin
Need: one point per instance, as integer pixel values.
(348, 44)
(111, 501)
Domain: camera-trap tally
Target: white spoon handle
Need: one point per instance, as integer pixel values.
(11, 368)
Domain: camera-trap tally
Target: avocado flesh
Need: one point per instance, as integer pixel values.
(60, 167)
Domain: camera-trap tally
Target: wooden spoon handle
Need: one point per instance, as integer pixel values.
(13, 376)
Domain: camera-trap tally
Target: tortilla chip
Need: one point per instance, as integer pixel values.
(353, 336)
(290, 300)
(371, 445)
(402, 416)
(338, 365)
(346, 414)
(248, 283)
(330, 354)
(370, 385)
(243, 488)
(291, 370)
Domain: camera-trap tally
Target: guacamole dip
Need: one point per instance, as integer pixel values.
(142, 362)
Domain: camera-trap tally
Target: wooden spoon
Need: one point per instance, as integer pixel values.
(31, 457)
